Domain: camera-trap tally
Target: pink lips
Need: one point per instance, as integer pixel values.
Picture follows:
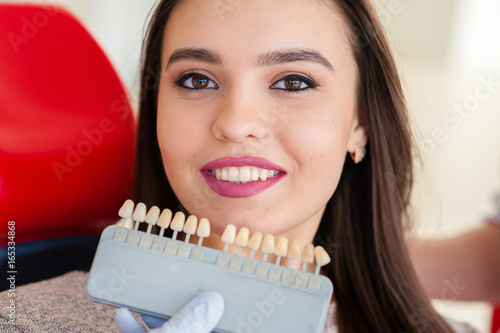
(231, 190)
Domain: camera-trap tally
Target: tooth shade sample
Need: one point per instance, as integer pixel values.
(178, 221)
(203, 228)
(127, 209)
(308, 254)
(321, 256)
(268, 244)
(242, 238)
(152, 215)
(229, 234)
(263, 174)
(165, 218)
(191, 224)
(224, 174)
(281, 247)
(255, 241)
(139, 212)
(294, 250)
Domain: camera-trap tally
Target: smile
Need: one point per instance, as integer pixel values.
(241, 177)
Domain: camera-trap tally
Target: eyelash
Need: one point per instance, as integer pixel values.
(311, 84)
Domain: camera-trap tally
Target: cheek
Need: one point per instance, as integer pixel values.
(176, 139)
(178, 130)
(319, 146)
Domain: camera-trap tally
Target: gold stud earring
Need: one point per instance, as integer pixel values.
(359, 154)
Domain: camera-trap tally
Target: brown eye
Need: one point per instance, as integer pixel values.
(199, 82)
(293, 84)
(195, 81)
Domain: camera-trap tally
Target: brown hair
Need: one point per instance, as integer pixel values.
(376, 289)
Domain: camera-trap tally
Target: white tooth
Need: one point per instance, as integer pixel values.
(177, 223)
(152, 215)
(203, 228)
(244, 174)
(165, 218)
(233, 174)
(270, 173)
(255, 174)
(263, 174)
(321, 256)
(224, 175)
(139, 212)
(229, 234)
(127, 209)
(190, 225)
(268, 244)
(217, 174)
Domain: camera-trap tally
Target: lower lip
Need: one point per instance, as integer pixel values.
(231, 190)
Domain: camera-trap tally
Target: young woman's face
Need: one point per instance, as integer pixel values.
(262, 92)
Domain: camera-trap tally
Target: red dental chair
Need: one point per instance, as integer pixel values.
(67, 136)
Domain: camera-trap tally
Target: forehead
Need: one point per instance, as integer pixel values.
(248, 28)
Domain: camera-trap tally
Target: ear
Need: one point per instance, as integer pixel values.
(358, 137)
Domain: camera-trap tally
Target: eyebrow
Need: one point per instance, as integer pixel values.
(293, 55)
(267, 59)
(203, 55)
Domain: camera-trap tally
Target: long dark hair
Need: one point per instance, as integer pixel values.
(376, 289)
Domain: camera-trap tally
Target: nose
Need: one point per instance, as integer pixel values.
(240, 117)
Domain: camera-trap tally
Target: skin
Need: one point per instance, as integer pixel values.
(242, 111)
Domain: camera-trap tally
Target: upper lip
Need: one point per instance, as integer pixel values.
(240, 162)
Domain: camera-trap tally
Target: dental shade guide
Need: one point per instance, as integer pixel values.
(125, 213)
(138, 216)
(141, 271)
(322, 258)
(189, 229)
(176, 225)
(307, 257)
(228, 237)
(203, 231)
(280, 251)
(163, 222)
(254, 245)
(293, 254)
(267, 247)
(242, 241)
(151, 219)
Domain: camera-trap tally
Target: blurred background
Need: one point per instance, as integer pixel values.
(448, 53)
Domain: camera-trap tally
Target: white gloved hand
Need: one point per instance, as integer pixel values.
(200, 315)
